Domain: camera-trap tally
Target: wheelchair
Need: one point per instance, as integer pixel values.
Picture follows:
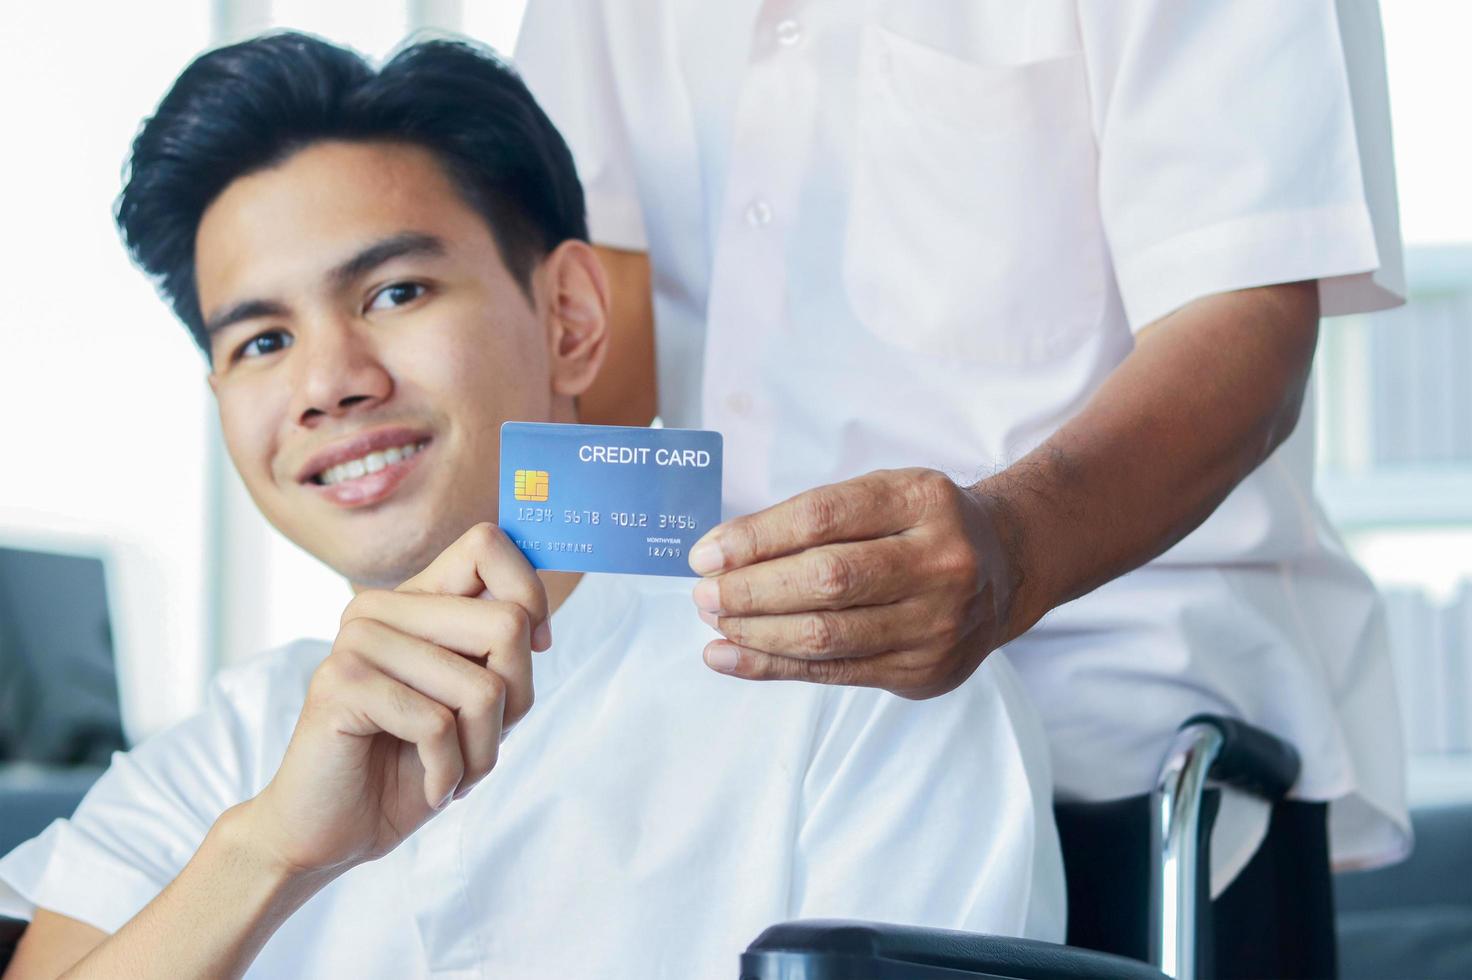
(1181, 810)
(1177, 942)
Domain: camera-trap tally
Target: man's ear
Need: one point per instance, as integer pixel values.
(575, 291)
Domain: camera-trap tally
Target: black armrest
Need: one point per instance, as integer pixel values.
(836, 949)
(10, 930)
(1250, 758)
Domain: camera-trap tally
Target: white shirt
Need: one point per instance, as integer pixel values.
(923, 232)
(648, 817)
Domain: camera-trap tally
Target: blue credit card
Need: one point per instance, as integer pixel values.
(608, 498)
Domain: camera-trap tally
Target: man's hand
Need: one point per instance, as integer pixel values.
(408, 709)
(411, 703)
(896, 579)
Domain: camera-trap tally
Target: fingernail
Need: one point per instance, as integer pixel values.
(462, 792)
(709, 619)
(722, 657)
(448, 797)
(707, 595)
(706, 557)
(542, 637)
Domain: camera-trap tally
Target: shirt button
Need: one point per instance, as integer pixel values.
(739, 402)
(758, 213)
(789, 32)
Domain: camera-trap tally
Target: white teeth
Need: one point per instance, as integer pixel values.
(371, 463)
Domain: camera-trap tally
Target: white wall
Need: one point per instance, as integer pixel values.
(102, 394)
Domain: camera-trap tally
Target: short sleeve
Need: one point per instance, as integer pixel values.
(146, 816)
(1243, 144)
(932, 812)
(562, 54)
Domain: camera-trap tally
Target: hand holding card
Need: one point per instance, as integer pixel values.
(607, 498)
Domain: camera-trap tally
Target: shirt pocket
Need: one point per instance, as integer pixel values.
(973, 228)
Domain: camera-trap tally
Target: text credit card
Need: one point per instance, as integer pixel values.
(608, 498)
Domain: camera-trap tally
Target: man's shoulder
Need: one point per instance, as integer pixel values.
(274, 676)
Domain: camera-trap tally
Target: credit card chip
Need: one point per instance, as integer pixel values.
(532, 484)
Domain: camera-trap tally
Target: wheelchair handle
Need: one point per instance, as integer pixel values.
(1206, 747)
(839, 949)
(1251, 759)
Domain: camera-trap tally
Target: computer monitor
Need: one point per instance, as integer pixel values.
(58, 681)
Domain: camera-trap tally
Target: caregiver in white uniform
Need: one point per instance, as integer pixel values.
(1006, 311)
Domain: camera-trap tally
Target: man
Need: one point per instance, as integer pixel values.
(382, 268)
(996, 303)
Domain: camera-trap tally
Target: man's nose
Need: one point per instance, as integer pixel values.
(340, 370)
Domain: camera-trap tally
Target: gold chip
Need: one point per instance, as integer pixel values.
(532, 484)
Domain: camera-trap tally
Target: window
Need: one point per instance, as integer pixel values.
(1395, 409)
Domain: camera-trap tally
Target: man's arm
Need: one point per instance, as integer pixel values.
(50, 944)
(900, 579)
(405, 714)
(1207, 395)
(625, 391)
(211, 920)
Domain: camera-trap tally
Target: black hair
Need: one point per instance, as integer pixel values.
(249, 106)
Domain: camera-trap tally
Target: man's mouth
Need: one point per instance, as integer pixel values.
(366, 468)
(366, 464)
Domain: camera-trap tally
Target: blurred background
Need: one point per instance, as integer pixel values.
(124, 530)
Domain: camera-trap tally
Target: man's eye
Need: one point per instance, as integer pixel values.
(396, 294)
(265, 343)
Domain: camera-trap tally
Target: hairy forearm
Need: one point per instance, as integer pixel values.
(1208, 393)
(212, 920)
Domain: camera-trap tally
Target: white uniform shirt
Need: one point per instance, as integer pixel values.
(648, 818)
(923, 232)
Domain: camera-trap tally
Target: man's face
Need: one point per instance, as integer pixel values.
(367, 343)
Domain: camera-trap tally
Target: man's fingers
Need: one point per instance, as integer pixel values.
(830, 576)
(754, 665)
(375, 702)
(484, 559)
(835, 634)
(484, 704)
(908, 673)
(489, 630)
(868, 506)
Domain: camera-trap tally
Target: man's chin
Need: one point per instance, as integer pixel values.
(389, 571)
(386, 546)
(392, 559)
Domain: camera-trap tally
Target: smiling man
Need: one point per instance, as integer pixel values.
(382, 267)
